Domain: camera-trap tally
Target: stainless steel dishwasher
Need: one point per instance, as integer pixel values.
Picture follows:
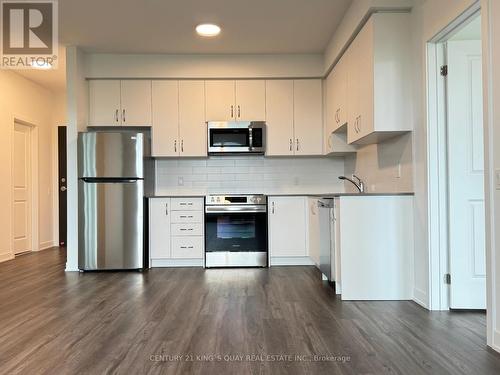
(327, 238)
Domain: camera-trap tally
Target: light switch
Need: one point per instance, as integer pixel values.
(180, 181)
(497, 179)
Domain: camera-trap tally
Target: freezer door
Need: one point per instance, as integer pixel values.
(110, 225)
(110, 155)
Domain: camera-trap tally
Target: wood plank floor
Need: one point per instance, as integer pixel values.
(277, 319)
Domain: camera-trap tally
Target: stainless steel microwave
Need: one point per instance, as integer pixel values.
(236, 137)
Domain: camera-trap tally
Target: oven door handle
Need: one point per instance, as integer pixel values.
(235, 209)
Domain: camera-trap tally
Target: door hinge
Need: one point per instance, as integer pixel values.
(444, 70)
(447, 278)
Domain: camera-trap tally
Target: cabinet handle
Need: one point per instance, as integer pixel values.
(186, 229)
(337, 116)
(175, 145)
(298, 145)
(116, 115)
(182, 145)
(291, 144)
(239, 111)
(359, 124)
(232, 111)
(187, 247)
(166, 209)
(123, 115)
(272, 208)
(330, 142)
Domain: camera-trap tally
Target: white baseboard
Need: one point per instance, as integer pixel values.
(419, 297)
(495, 345)
(6, 256)
(46, 245)
(177, 263)
(291, 261)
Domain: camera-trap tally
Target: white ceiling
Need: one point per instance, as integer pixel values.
(167, 26)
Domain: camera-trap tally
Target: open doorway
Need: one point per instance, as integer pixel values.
(456, 167)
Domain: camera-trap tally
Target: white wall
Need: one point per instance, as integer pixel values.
(203, 66)
(251, 174)
(491, 68)
(25, 100)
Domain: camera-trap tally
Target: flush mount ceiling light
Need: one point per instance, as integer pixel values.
(208, 29)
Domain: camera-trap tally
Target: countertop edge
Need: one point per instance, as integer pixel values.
(313, 195)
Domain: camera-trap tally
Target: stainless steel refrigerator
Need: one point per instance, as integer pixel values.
(112, 167)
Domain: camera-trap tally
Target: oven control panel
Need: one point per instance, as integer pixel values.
(235, 199)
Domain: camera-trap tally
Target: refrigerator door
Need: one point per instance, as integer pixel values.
(110, 225)
(111, 155)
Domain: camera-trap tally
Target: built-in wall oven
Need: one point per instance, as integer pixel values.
(236, 137)
(236, 231)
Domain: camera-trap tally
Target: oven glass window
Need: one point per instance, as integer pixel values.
(236, 232)
(229, 138)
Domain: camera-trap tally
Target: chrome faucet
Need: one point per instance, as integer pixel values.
(360, 185)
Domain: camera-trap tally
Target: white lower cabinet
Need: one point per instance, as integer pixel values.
(288, 231)
(176, 232)
(374, 247)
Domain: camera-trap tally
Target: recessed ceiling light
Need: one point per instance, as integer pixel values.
(208, 29)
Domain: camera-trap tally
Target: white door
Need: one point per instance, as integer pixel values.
(104, 103)
(165, 130)
(160, 212)
(279, 107)
(466, 174)
(192, 126)
(220, 100)
(287, 227)
(22, 188)
(307, 117)
(136, 103)
(250, 100)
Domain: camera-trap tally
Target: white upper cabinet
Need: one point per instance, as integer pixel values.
(308, 119)
(192, 126)
(294, 117)
(250, 104)
(336, 96)
(104, 103)
(279, 107)
(136, 103)
(220, 100)
(114, 102)
(165, 130)
(229, 100)
(379, 69)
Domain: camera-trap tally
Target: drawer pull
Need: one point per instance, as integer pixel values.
(186, 204)
(187, 216)
(184, 229)
(187, 247)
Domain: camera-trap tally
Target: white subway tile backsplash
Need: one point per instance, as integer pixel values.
(250, 174)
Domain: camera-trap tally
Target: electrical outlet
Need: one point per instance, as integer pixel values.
(398, 172)
(180, 181)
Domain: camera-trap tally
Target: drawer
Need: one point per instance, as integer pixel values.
(188, 247)
(187, 229)
(187, 217)
(187, 204)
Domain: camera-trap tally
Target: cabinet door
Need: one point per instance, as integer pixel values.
(188, 247)
(308, 119)
(360, 84)
(279, 107)
(340, 94)
(136, 103)
(220, 100)
(250, 100)
(159, 228)
(331, 110)
(104, 103)
(287, 227)
(313, 230)
(192, 126)
(165, 107)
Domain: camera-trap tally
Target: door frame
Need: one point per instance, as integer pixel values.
(34, 193)
(437, 162)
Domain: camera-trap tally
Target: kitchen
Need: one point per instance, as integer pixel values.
(239, 170)
(260, 199)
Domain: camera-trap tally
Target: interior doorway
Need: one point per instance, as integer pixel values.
(62, 185)
(22, 187)
(456, 166)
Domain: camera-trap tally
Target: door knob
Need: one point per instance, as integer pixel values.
(63, 188)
